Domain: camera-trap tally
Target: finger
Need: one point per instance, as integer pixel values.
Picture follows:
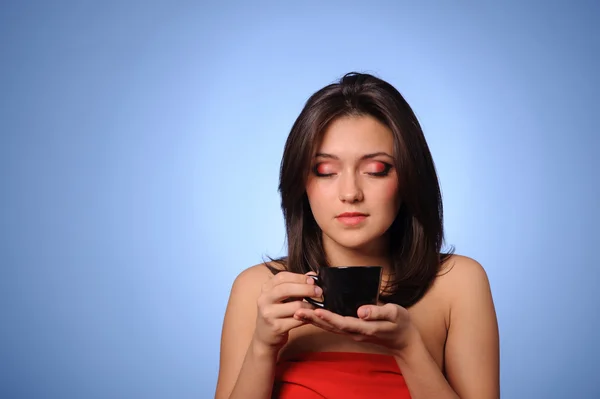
(350, 325)
(286, 277)
(315, 316)
(292, 290)
(283, 310)
(285, 325)
(387, 312)
(310, 317)
(313, 319)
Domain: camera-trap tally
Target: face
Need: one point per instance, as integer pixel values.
(353, 186)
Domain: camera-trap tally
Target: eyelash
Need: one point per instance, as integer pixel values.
(385, 172)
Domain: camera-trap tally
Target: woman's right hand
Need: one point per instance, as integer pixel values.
(275, 313)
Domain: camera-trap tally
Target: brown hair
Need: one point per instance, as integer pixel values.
(417, 232)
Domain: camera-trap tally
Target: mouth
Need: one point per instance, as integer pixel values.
(351, 218)
(351, 214)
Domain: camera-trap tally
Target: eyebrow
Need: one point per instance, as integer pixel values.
(366, 156)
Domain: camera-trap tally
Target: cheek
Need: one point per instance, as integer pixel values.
(311, 189)
(389, 191)
(389, 197)
(316, 189)
(320, 199)
(314, 196)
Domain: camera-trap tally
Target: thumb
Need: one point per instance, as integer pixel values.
(388, 312)
(367, 312)
(312, 279)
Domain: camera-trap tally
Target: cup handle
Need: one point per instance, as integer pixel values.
(313, 301)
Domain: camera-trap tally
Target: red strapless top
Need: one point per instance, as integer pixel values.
(343, 375)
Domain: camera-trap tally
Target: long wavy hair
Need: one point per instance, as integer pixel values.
(416, 235)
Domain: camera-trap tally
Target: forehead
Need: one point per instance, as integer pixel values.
(354, 135)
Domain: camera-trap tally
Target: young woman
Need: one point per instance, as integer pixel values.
(358, 187)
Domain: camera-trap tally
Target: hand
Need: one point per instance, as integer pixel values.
(275, 311)
(388, 325)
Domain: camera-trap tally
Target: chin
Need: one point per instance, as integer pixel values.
(355, 241)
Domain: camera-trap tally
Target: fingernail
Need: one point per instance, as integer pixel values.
(318, 291)
(364, 313)
(310, 280)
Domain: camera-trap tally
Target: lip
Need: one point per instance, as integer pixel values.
(350, 214)
(351, 218)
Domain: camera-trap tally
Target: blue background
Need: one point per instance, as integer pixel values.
(139, 154)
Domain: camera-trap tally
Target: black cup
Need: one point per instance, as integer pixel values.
(347, 288)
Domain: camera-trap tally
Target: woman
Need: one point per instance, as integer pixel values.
(357, 149)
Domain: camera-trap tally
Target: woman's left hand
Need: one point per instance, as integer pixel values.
(388, 325)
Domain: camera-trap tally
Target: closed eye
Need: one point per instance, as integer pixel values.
(380, 169)
(323, 170)
(377, 169)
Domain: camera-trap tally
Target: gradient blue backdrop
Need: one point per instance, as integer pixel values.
(139, 154)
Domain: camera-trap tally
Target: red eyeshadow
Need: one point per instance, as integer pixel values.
(379, 167)
(323, 168)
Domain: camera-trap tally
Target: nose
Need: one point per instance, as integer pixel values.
(349, 189)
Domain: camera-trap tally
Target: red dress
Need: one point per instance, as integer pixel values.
(343, 375)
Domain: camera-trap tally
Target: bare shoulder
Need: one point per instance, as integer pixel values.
(250, 280)
(460, 276)
(252, 275)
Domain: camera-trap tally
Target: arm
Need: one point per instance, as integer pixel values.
(471, 354)
(421, 373)
(472, 348)
(256, 326)
(256, 376)
(240, 365)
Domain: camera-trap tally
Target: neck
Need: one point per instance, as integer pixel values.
(375, 253)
